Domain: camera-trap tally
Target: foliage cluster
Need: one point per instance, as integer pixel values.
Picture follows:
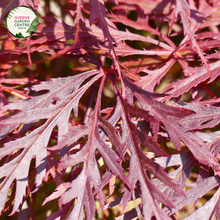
(118, 109)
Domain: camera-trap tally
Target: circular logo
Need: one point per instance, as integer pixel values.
(22, 22)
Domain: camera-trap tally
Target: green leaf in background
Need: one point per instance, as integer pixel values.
(19, 35)
(33, 26)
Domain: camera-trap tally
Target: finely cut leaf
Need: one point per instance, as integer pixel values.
(111, 105)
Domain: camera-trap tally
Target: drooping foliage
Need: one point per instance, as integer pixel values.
(119, 108)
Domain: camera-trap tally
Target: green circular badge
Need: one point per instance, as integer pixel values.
(22, 22)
